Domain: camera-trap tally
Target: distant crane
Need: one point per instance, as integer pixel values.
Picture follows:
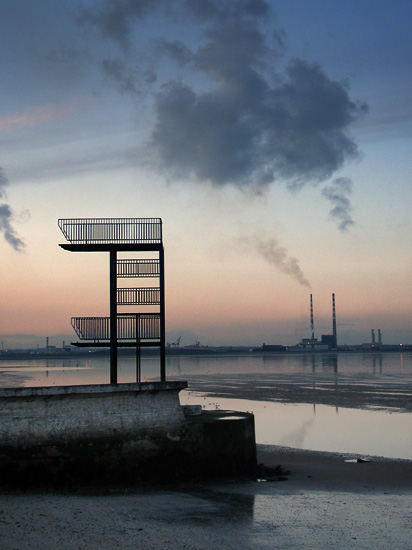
(174, 344)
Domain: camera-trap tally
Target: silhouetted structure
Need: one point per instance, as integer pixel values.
(335, 334)
(328, 341)
(138, 329)
(312, 328)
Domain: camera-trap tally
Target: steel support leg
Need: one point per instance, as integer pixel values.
(162, 317)
(113, 316)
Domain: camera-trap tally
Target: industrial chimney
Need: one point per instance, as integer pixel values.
(373, 337)
(335, 336)
(311, 318)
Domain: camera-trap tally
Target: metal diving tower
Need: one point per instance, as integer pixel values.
(138, 329)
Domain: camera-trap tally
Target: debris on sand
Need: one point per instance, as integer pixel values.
(265, 473)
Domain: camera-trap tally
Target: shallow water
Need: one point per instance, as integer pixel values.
(350, 403)
(322, 427)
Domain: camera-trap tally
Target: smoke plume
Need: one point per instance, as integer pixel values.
(276, 255)
(337, 193)
(3, 183)
(7, 217)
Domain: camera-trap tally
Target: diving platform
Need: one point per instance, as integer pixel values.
(130, 327)
(138, 329)
(89, 231)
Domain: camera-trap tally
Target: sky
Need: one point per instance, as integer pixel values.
(273, 138)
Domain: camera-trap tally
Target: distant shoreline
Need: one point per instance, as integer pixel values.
(225, 351)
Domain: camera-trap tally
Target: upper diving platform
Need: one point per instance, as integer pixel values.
(101, 234)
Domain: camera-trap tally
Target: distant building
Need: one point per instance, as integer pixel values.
(273, 347)
(312, 344)
(328, 340)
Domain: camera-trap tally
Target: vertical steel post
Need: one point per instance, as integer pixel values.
(113, 315)
(162, 316)
(138, 354)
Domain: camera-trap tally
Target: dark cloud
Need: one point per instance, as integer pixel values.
(337, 193)
(232, 54)
(177, 51)
(245, 131)
(115, 18)
(193, 136)
(6, 217)
(252, 125)
(149, 76)
(239, 116)
(276, 255)
(223, 10)
(116, 70)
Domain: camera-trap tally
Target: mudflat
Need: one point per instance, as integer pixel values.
(319, 500)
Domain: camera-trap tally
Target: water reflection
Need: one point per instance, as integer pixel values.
(298, 425)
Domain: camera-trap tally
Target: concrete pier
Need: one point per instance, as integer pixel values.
(52, 415)
(125, 433)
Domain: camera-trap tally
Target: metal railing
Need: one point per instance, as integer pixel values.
(138, 268)
(112, 230)
(138, 296)
(131, 326)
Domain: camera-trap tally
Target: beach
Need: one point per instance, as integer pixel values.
(323, 501)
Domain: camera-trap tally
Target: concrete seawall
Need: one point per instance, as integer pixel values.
(60, 415)
(126, 433)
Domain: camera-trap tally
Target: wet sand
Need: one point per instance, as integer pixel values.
(325, 502)
(353, 390)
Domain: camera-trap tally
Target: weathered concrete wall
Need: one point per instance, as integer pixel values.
(128, 434)
(223, 443)
(37, 416)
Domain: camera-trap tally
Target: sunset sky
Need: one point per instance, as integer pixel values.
(273, 138)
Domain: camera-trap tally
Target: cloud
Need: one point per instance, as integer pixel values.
(252, 128)
(240, 114)
(223, 10)
(6, 217)
(177, 51)
(337, 193)
(269, 249)
(115, 19)
(116, 70)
